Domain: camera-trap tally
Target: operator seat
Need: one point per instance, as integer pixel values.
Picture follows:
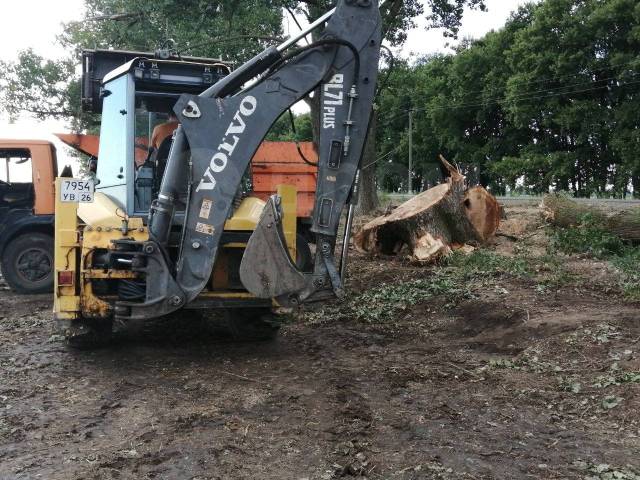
(159, 159)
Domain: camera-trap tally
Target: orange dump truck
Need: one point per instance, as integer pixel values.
(27, 172)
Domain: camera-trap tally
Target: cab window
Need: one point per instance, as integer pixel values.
(154, 126)
(16, 178)
(15, 166)
(115, 163)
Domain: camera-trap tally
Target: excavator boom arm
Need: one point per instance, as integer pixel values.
(224, 126)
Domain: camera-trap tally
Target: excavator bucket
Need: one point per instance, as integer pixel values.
(267, 270)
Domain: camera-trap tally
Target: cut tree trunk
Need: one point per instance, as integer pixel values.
(483, 211)
(434, 222)
(563, 212)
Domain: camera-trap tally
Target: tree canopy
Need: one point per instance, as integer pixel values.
(228, 29)
(550, 101)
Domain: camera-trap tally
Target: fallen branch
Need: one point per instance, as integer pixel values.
(561, 211)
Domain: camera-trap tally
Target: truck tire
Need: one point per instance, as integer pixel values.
(27, 263)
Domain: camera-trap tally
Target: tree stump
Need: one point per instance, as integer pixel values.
(483, 211)
(432, 223)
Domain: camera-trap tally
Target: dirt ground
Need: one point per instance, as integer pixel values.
(516, 381)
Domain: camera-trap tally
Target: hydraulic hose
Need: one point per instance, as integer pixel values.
(321, 43)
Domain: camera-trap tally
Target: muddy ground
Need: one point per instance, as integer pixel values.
(518, 378)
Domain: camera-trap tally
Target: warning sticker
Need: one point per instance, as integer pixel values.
(204, 228)
(205, 209)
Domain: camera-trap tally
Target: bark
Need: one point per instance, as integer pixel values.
(564, 212)
(368, 200)
(314, 115)
(434, 222)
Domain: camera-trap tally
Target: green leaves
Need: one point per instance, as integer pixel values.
(549, 101)
(38, 86)
(611, 401)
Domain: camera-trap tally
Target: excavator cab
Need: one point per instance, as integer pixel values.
(183, 232)
(137, 99)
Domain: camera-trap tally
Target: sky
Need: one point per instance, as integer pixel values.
(46, 24)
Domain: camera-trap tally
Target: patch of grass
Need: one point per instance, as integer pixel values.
(588, 238)
(452, 279)
(527, 363)
(628, 264)
(554, 273)
(482, 263)
(387, 300)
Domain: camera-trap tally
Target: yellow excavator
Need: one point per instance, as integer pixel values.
(175, 227)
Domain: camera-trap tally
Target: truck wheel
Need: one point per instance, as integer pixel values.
(27, 263)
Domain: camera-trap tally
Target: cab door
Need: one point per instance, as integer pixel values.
(115, 172)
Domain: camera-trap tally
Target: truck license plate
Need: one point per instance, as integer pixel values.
(74, 190)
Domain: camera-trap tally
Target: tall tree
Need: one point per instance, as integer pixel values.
(227, 29)
(209, 28)
(548, 102)
(398, 18)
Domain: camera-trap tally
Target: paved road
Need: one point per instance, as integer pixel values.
(525, 200)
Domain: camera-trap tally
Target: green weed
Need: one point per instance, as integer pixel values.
(617, 378)
(628, 264)
(487, 263)
(386, 301)
(588, 238)
(526, 363)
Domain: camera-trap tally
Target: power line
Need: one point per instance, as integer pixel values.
(558, 77)
(535, 97)
(549, 79)
(484, 104)
(382, 157)
(523, 96)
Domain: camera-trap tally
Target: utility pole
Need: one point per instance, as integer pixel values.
(409, 181)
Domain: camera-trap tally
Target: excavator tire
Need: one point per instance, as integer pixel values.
(252, 324)
(27, 263)
(304, 259)
(88, 335)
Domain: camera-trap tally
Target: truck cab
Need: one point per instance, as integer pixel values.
(27, 172)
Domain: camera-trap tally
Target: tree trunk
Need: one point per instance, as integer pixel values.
(432, 223)
(368, 200)
(314, 115)
(564, 212)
